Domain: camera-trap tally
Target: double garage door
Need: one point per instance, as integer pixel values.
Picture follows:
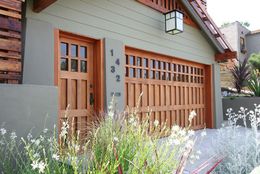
(171, 88)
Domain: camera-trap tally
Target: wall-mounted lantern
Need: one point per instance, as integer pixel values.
(174, 22)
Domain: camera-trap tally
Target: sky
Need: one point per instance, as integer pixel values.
(235, 10)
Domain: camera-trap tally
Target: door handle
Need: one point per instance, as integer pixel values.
(91, 99)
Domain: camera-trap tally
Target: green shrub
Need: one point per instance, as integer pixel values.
(254, 83)
(254, 60)
(119, 143)
(239, 145)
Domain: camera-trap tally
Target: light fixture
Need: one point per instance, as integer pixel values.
(174, 22)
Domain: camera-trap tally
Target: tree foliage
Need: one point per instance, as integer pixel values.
(254, 83)
(254, 60)
(245, 24)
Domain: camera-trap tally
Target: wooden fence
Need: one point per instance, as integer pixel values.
(10, 41)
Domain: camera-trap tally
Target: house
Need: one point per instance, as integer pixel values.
(244, 42)
(81, 53)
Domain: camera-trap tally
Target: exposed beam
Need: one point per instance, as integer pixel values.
(39, 5)
(224, 56)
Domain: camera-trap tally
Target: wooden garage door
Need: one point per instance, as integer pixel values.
(76, 82)
(171, 87)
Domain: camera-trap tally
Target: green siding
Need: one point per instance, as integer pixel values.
(128, 21)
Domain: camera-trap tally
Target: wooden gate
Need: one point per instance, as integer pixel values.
(171, 88)
(75, 82)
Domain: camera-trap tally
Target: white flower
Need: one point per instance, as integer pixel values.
(156, 123)
(64, 129)
(49, 140)
(189, 144)
(55, 156)
(115, 139)
(13, 136)
(76, 147)
(192, 115)
(3, 131)
(175, 128)
(131, 120)
(37, 142)
(29, 136)
(191, 133)
(176, 142)
(36, 155)
(134, 123)
(203, 133)
(182, 132)
(41, 167)
(111, 114)
(45, 130)
(192, 157)
(34, 165)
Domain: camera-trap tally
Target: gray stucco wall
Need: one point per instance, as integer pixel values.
(28, 107)
(39, 53)
(253, 43)
(114, 79)
(217, 96)
(126, 21)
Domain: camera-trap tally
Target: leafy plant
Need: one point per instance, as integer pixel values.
(254, 83)
(239, 146)
(254, 60)
(241, 74)
(119, 143)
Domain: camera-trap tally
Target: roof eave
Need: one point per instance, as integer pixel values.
(203, 26)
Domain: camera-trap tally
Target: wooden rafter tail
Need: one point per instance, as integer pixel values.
(40, 5)
(207, 20)
(227, 55)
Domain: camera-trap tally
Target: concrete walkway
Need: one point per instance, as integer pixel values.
(207, 156)
(208, 153)
(208, 149)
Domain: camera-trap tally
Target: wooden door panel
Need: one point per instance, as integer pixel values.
(76, 82)
(171, 87)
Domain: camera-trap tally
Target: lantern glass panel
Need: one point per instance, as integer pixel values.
(168, 16)
(179, 15)
(173, 14)
(179, 23)
(170, 25)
